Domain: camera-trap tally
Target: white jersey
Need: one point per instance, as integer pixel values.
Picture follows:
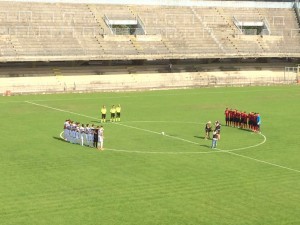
(101, 134)
(81, 129)
(66, 124)
(87, 130)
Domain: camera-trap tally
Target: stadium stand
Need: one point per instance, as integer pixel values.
(82, 32)
(125, 39)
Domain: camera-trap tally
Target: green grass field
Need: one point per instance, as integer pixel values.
(143, 177)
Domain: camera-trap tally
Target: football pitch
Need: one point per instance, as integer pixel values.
(146, 178)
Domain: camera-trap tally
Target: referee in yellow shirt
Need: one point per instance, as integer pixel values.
(118, 110)
(113, 114)
(103, 114)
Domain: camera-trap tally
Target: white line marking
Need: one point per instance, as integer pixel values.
(61, 110)
(157, 152)
(219, 150)
(137, 128)
(252, 146)
(143, 152)
(229, 150)
(149, 131)
(71, 99)
(261, 161)
(154, 132)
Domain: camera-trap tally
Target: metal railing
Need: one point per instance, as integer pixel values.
(236, 23)
(107, 23)
(141, 24)
(267, 26)
(297, 10)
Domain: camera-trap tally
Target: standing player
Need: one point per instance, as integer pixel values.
(77, 133)
(113, 113)
(81, 132)
(73, 133)
(250, 118)
(91, 136)
(243, 119)
(87, 131)
(66, 130)
(103, 114)
(237, 119)
(218, 129)
(101, 137)
(95, 143)
(227, 116)
(255, 122)
(207, 130)
(232, 117)
(258, 121)
(118, 110)
(214, 140)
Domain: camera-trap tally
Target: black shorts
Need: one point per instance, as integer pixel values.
(103, 116)
(226, 119)
(112, 115)
(118, 114)
(207, 130)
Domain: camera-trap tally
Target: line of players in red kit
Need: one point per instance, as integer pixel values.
(243, 120)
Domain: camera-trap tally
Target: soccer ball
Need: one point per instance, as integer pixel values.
(163, 133)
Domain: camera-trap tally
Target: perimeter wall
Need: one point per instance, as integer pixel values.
(130, 82)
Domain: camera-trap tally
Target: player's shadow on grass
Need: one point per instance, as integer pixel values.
(206, 146)
(199, 137)
(59, 139)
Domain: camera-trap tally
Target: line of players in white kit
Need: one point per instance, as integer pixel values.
(85, 135)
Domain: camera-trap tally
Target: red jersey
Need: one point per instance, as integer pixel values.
(233, 113)
(238, 115)
(227, 113)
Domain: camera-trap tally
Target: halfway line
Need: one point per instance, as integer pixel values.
(154, 132)
(232, 153)
(132, 127)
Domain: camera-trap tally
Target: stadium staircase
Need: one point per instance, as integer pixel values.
(296, 8)
(98, 17)
(210, 31)
(227, 39)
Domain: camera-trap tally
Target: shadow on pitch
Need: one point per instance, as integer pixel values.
(199, 137)
(95, 121)
(58, 139)
(206, 146)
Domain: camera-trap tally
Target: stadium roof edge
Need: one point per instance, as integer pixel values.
(201, 3)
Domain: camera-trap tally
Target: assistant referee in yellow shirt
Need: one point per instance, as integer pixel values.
(103, 114)
(113, 114)
(118, 110)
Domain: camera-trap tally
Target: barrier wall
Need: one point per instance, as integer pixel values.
(128, 82)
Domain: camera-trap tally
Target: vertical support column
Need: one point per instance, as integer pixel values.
(298, 74)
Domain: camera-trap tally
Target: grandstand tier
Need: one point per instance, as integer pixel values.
(71, 32)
